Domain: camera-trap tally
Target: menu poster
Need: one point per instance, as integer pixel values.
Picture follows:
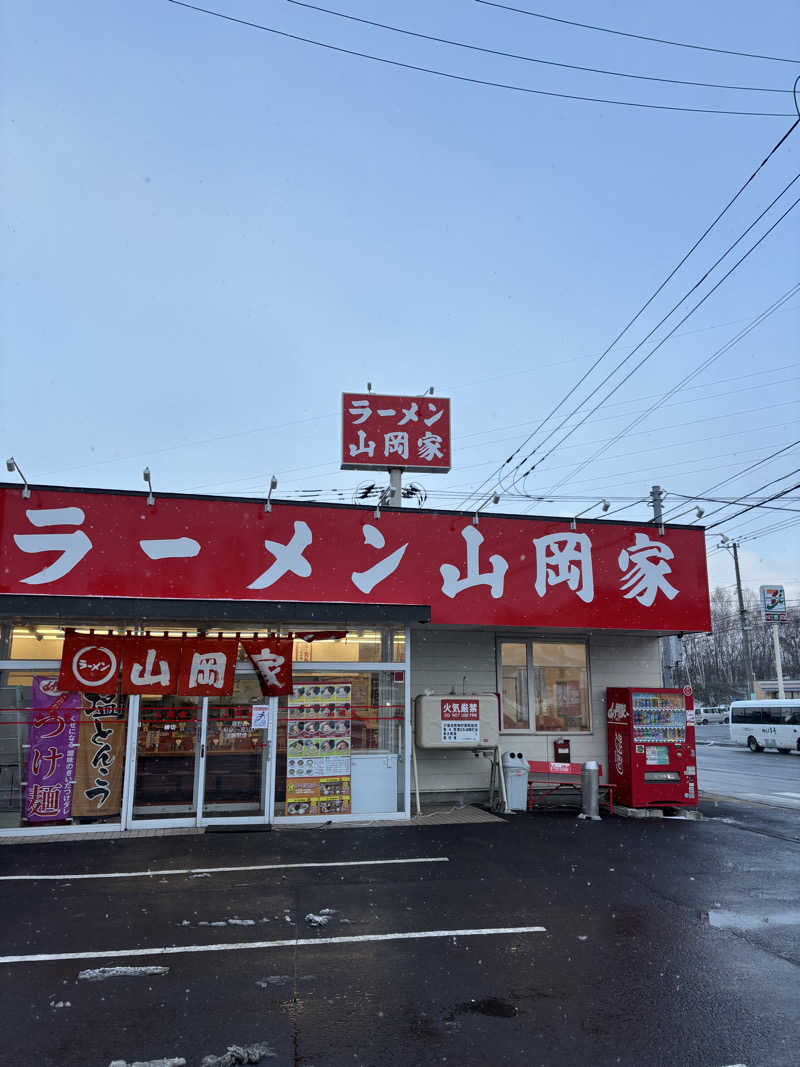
(318, 750)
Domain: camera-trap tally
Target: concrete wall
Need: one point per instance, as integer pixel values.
(464, 661)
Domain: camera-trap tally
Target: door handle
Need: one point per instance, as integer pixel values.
(202, 751)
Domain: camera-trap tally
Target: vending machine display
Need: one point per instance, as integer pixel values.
(651, 747)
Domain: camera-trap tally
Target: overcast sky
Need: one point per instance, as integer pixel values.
(211, 232)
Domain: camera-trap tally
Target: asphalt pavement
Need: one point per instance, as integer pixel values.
(729, 770)
(537, 940)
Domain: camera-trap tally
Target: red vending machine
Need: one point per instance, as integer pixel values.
(651, 750)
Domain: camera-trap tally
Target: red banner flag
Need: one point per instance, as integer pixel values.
(90, 663)
(207, 667)
(272, 659)
(152, 664)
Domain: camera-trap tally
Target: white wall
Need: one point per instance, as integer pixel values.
(464, 661)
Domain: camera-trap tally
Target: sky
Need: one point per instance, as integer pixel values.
(210, 232)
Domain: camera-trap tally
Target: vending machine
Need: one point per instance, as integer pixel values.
(651, 747)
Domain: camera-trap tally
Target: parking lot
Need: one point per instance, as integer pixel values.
(524, 941)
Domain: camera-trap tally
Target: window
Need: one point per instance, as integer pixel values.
(544, 685)
(514, 685)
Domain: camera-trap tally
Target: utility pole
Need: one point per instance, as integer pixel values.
(748, 656)
(396, 486)
(776, 643)
(656, 497)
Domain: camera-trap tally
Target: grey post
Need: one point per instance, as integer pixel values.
(590, 791)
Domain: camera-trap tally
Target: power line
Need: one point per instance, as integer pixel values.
(529, 59)
(472, 81)
(752, 466)
(498, 473)
(636, 36)
(730, 518)
(761, 317)
(664, 339)
(722, 500)
(744, 496)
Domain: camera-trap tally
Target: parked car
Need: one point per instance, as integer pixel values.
(716, 714)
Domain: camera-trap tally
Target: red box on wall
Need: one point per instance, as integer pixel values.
(561, 750)
(651, 747)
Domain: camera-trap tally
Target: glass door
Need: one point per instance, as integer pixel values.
(236, 757)
(167, 758)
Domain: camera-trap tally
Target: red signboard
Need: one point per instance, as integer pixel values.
(460, 710)
(508, 571)
(272, 658)
(151, 664)
(412, 432)
(207, 667)
(90, 664)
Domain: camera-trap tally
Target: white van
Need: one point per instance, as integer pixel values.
(761, 724)
(716, 714)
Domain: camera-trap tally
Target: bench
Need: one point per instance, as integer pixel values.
(560, 776)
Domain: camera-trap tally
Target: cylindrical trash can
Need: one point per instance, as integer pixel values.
(515, 775)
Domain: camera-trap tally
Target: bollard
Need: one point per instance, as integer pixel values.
(590, 791)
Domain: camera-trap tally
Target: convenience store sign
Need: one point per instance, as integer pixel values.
(507, 571)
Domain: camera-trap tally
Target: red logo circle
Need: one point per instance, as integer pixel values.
(94, 665)
(687, 690)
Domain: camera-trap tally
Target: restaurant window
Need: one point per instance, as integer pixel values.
(545, 686)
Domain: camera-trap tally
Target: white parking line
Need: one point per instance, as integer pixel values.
(214, 870)
(295, 942)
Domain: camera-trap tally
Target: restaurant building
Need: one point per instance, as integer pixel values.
(179, 601)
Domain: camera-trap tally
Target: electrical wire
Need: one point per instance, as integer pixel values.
(529, 59)
(491, 438)
(777, 496)
(498, 473)
(752, 466)
(740, 499)
(744, 332)
(663, 340)
(636, 36)
(472, 81)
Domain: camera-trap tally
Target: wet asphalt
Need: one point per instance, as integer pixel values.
(664, 942)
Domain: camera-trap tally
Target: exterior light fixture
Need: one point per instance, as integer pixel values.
(146, 475)
(12, 465)
(273, 484)
(603, 503)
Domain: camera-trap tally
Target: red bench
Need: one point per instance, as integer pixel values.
(560, 776)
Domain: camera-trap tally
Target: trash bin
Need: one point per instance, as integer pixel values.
(515, 775)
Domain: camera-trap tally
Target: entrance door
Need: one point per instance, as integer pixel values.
(237, 764)
(166, 760)
(195, 760)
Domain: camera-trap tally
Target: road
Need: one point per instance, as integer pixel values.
(733, 771)
(536, 940)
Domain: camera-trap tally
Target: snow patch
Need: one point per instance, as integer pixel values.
(238, 1054)
(317, 920)
(170, 1061)
(98, 974)
(228, 922)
